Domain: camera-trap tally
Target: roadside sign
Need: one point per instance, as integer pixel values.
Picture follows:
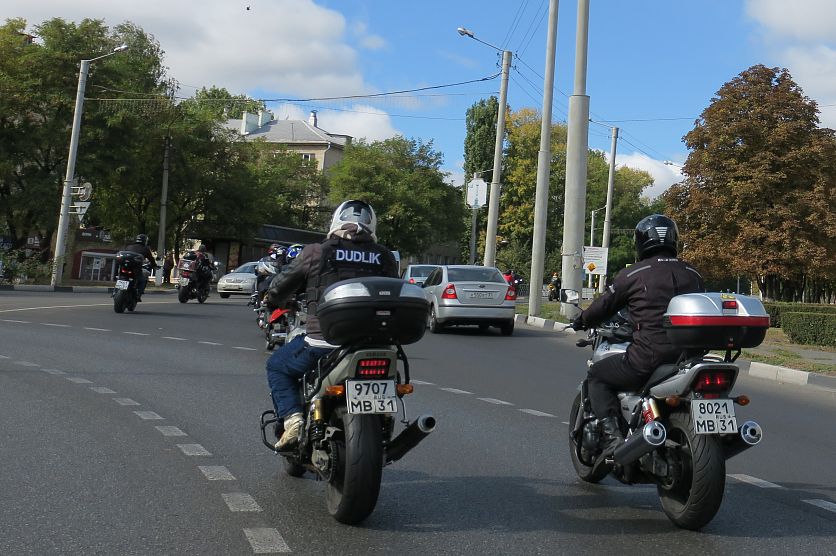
(81, 207)
(595, 260)
(477, 193)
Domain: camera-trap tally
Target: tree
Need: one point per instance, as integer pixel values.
(758, 197)
(401, 178)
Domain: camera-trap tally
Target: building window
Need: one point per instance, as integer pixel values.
(308, 156)
(97, 266)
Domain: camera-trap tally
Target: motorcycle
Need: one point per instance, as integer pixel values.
(279, 324)
(193, 281)
(680, 427)
(129, 270)
(353, 395)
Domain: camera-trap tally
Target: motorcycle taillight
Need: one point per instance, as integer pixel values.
(710, 383)
(372, 368)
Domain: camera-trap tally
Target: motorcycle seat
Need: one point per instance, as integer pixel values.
(661, 373)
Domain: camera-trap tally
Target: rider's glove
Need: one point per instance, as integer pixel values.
(273, 301)
(578, 324)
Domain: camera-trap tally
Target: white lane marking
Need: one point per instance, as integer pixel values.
(54, 371)
(753, 481)
(244, 348)
(69, 307)
(536, 413)
(79, 380)
(265, 540)
(216, 472)
(15, 321)
(455, 391)
(174, 338)
(26, 364)
(210, 343)
(422, 382)
(170, 431)
(54, 324)
(823, 504)
(240, 502)
(136, 333)
(147, 415)
(194, 450)
(102, 390)
(4, 357)
(564, 422)
(97, 329)
(495, 401)
(125, 401)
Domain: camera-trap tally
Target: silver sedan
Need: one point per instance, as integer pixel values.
(468, 294)
(239, 281)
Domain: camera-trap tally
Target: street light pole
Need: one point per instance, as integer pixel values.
(69, 177)
(493, 201)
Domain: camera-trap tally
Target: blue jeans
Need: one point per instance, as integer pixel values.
(285, 368)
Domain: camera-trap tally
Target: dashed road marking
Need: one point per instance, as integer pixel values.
(4, 357)
(26, 364)
(194, 450)
(216, 472)
(54, 371)
(55, 324)
(823, 504)
(265, 540)
(79, 380)
(125, 401)
(137, 333)
(102, 390)
(753, 481)
(240, 502)
(147, 415)
(422, 382)
(97, 329)
(564, 422)
(210, 343)
(15, 321)
(455, 391)
(495, 401)
(170, 431)
(174, 338)
(244, 348)
(536, 413)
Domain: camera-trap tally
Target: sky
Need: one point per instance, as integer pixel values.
(653, 65)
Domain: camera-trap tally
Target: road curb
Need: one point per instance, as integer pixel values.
(759, 370)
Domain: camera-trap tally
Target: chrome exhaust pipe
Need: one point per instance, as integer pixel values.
(651, 436)
(409, 437)
(750, 434)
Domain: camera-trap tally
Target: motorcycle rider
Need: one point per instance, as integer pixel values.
(644, 289)
(140, 245)
(350, 251)
(268, 266)
(204, 267)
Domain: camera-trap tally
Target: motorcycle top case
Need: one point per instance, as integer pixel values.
(715, 321)
(373, 310)
(129, 258)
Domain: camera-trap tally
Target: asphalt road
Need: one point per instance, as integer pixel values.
(137, 434)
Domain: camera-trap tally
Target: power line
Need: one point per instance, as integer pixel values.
(517, 18)
(530, 25)
(534, 31)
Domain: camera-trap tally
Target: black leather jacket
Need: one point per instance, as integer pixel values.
(645, 289)
(143, 250)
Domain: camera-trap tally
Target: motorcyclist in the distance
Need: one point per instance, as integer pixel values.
(645, 289)
(140, 245)
(268, 266)
(204, 267)
(350, 251)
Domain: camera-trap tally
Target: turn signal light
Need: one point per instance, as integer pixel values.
(404, 389)
(336, 390)
(742, 399)
(673, 401)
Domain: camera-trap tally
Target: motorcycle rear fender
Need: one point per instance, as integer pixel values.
(680, 383)
(347, 368)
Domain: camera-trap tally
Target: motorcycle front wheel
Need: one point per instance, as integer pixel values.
(202, 296)
(693, 492)
(582, 460)
(352, 492)
(120, 301)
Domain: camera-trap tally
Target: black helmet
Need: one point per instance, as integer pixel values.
(357, 212)
(656, 233)
(202, 248)
(142, 239)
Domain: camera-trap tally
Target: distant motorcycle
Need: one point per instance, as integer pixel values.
(279, 324)
(129, 271)
(193, 281)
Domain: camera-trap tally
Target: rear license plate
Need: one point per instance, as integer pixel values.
(184, 281)
(482, 295)
(371, 396)
(122, 284)
(714, 416)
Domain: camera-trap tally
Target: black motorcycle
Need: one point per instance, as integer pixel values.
(129, 271)
(194, 279)
(680, 426)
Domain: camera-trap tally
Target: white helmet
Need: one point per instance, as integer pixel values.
(265, 268)
(354, 212)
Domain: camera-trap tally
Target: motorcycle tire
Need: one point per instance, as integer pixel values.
(202, 296)
(694, 496)
(119, 301)
(585, 470)
(224, 295)
(183, 294)
(352, 492)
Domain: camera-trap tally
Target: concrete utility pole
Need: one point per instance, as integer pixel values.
(577, 145)
(610, 187)
(544, 160)
(163, 205)
(493, 202)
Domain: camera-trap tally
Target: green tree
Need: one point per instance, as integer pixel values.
(479, 142)
(403, 181)
(758, 198)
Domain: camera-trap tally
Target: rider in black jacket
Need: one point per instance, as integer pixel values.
(140, 245)
(350, 251)
(645, 289)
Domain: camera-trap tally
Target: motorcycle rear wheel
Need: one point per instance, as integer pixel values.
(202, 296)
(183, 294)
(120, 301)
(585, 472)
(695, 495)
(351, 494)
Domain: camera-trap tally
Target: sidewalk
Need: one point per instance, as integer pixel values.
(753, 368)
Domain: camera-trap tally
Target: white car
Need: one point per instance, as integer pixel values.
(240, 281)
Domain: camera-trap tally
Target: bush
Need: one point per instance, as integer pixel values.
(818, 329)
(777, 310)
(18, 268)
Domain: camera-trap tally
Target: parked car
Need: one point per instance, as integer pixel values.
(240, 281)
(469, 294)
(417, 273)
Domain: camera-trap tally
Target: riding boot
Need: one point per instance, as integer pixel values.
(612, 437)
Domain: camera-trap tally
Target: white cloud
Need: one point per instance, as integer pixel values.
(805, 20)
(664, 175)
(358, 121)
(291, 46)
